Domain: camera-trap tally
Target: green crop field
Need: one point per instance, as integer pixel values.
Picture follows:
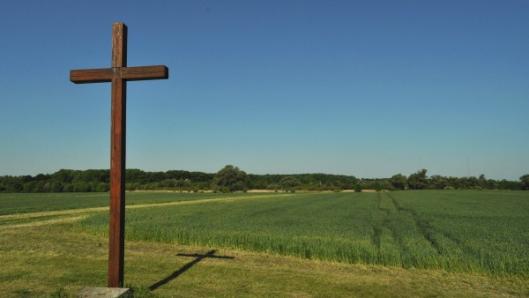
(480, 237)
(458, 230)
(31, 202)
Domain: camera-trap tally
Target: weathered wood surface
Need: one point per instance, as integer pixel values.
(97, 75)
(118, 74)
(154, 72)
(117, 159)
(135, 73)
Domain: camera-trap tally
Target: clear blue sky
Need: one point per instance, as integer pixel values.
(369, 88)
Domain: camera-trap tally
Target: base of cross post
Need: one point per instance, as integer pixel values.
(105, 293)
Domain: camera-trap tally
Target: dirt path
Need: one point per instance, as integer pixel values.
(5, 219)
(37, 223)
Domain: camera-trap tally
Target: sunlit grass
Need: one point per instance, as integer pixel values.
(469, 231)
(33, 202)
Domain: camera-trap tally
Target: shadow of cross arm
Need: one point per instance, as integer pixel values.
(187, 266)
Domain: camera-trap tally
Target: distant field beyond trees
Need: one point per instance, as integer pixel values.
(231, 179)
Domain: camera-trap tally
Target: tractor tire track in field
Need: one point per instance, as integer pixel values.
(429, 230)
(423, 226)
(377, 229)
(385, 223)
(389, 216)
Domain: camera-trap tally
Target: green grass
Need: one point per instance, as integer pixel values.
(46, 261)
(413, 243)
(11, 203)
(463, 231)
(488, 230)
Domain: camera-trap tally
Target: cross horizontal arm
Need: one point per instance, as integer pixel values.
(144, 72)
(101, 75)
(96, 75)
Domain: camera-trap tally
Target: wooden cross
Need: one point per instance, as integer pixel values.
(118, 74)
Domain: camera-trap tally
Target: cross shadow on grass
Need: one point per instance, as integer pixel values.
(187, 266)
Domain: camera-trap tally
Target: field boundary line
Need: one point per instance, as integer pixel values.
(136, 206)
(43, 222)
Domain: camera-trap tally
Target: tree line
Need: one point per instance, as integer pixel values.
(231, 178)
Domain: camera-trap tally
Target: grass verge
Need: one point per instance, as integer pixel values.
(54, 260)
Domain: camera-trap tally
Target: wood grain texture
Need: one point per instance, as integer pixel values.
(96, 75)
(154, 72)
(119, 45)
(117, 184)
(103, 75)
(118, 74)
(116, 256)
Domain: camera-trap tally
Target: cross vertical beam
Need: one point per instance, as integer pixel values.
(116, 253)
(118, 75)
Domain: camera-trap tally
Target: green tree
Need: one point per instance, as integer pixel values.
(68, 188)
(438, 182)
(399, 181)
(183, 184)
(102, 187)
(168, 183)
(525, 181)
(273, 186)
(289, 184)
(56, 187)
(63, 176)
(230, 179)
(81, 187)
(418, 180)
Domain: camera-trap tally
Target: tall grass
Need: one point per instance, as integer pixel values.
(476, 231)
